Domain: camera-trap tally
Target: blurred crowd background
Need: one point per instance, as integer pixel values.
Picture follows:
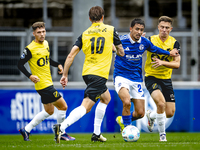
(67, 19)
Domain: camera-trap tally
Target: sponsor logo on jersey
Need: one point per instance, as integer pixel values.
(104, 30)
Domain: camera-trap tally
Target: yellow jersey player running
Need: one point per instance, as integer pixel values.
(37, 55)
(158, 71)
(97, 44)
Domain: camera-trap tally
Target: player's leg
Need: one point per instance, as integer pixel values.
(159, 99)
(122, 89)
(168, 93)
(137, 97)
(99, 115)
(34, 122)
(61, 105)
(170, 109)
(139, 107)
(74, 116)
(77, 113)
(48, 110)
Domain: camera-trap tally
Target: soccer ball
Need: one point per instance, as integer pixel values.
(130, 133)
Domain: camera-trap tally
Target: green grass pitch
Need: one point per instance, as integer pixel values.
(147, 141)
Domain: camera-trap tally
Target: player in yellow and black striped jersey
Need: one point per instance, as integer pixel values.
(37, 55)
(97, 44)
(158, 71)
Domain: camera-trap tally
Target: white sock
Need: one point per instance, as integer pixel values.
(61, 114)
(153, 115)
(161, 123)
(36, 120)
(74, 116)
(99, 114)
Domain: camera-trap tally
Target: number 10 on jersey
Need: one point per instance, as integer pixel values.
(99, 42)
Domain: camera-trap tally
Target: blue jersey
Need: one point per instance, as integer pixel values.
(130, 65)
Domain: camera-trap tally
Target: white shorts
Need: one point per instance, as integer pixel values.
(135, 88)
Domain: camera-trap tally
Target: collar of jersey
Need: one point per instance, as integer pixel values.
(96, 23)
(133, 42)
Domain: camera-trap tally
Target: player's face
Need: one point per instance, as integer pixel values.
(164, 29)
(136, 32)
(39, 34)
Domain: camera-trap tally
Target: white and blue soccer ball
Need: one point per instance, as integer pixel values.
(131, 133)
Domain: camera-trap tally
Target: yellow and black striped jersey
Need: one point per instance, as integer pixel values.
(161, 72)
(96, 43)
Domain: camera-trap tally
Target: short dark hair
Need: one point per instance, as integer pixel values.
(38, 25)
(137, 21)
(165, 19)
(96, 13)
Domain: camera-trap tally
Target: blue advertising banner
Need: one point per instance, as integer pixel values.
(19, 106)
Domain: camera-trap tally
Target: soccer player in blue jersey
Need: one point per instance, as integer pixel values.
(128, 72)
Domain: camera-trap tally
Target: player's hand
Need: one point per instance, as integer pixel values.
(174, 52)
(157, 62)
(34, 78)
(64, 81)
(60, 67)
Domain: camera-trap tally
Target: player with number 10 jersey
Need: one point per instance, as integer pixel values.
(97, 48)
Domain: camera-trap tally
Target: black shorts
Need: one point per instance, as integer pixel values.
(96, 85)
(164, 85)
(49, 95)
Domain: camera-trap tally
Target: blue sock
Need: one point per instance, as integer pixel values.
(126, 120)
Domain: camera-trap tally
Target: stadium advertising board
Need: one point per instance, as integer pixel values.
(18, 107)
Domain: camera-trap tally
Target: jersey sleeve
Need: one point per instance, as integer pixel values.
(177, 46)
(54, 63)
(26, 55)
(116, 39)
(154, 49)
(79, 42)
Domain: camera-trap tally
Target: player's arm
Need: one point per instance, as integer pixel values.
(175, 64)
(154, 49)
(56, 64)
(24, 59)
(26, 55)
(69, 60)
(118, 44)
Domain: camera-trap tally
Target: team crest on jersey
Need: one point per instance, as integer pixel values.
(47, 49)
(141, 47)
